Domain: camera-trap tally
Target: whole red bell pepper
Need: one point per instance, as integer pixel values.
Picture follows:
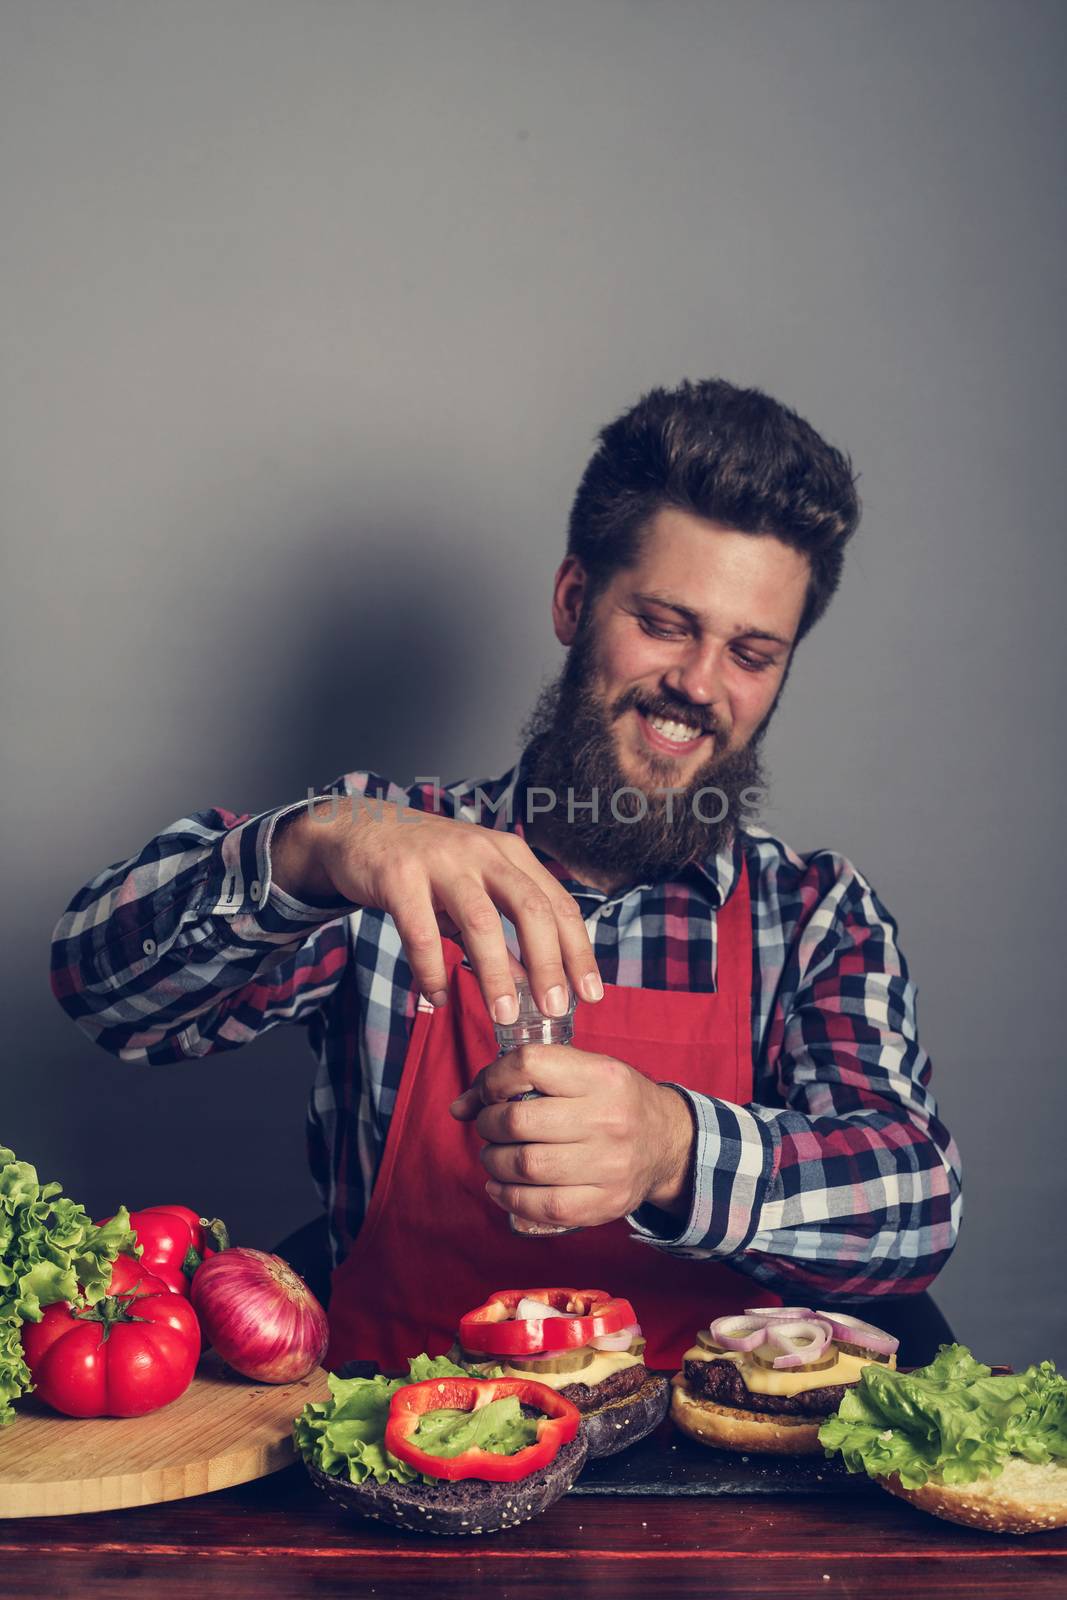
(415, 1400)
(174, 1241)
(491, 1329)
(132, 1353)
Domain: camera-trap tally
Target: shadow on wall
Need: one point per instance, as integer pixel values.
(350, 647)
(388, 638)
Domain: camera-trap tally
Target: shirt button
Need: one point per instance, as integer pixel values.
(149, 947)
(253, 890)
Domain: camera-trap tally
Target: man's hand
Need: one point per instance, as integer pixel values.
(602, 1141)
(443, 876)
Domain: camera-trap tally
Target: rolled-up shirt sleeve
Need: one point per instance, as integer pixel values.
(840, 1179)
(190, 947)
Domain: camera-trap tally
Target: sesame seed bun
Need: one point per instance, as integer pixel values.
(470, 1505)
(1024, 1499)
(730, 1428)
(621, 1422)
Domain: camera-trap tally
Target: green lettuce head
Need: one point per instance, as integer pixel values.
(50, 1250)
(952, 1420)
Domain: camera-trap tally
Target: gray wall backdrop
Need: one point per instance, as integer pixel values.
(310, 312)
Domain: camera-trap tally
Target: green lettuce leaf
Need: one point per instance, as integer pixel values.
(50, 1250)
(345, 1435)
(500, 1426)
(952, 1420)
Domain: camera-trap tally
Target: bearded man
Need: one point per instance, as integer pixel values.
(745, 1097)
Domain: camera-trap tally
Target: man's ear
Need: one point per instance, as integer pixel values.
(568, 598)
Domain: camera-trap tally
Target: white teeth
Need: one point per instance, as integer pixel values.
(680, 732)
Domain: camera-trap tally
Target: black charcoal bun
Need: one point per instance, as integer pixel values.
(469, 1506)
(620, 1423)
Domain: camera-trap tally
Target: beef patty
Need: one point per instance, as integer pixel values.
(722, 1384)
(587, 1396)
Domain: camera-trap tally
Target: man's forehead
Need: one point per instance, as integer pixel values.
(719, 577)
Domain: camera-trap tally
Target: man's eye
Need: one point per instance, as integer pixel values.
(751, 663)
(658, 631)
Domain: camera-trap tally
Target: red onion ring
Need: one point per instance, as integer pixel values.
(774, 1313)
(796, 1344)
(617, 1341)
(850, 1330)
(529, 1310)
(740, 1334)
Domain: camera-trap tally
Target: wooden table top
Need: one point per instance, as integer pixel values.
(280, 1537)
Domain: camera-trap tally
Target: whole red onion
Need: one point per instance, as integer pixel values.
(261, 1317)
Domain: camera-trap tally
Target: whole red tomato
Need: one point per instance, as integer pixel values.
(174, 1242)
(132, 1353)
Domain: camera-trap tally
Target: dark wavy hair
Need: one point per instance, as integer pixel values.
(733, 456)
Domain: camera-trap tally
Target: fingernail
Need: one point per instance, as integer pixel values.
(590, 987)
(454, 1107)
(506, 1010)
(439, 997)
(555, 1001)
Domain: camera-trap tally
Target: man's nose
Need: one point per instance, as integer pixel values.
(698, 677)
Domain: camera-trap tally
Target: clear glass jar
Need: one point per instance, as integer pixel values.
(533, 1027)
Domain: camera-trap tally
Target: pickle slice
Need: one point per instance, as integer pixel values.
(704, 1338)
(480, 1366)
(558, 1361)
(859, 1350)
(765, 1354)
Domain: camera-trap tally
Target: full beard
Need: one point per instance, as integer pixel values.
(570, 751)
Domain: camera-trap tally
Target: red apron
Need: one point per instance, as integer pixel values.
(433, 1244)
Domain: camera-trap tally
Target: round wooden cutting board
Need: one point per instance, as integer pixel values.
(223, 1430)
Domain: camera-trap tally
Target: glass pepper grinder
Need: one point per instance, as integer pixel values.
(533, 1027)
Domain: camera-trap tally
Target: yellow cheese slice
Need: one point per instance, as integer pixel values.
(603, 1364)
(764, 1380)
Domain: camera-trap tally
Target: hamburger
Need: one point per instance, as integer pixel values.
(440, 1451)
(583, 1343)
(954, 1439)
(765, 1381)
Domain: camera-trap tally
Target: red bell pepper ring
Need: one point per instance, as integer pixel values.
(414, 1401)
(491, 1329)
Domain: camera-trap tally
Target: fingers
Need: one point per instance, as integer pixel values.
(536, 923)
(420, 935)
(557, 1070)
(543, 1119)
(554, 1165)
(448, 928)
(553, 938)
(443, 877)
(579, 1205)
(481, 933)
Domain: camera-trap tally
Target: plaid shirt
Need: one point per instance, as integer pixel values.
(837, 1180)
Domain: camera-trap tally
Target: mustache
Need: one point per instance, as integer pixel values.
(695, 716)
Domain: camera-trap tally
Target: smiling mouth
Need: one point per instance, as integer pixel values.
(671, 736)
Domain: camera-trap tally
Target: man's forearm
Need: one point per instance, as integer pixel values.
(151, 957)
(827, 1206)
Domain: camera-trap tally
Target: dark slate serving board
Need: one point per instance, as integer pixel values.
(669, 1462)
